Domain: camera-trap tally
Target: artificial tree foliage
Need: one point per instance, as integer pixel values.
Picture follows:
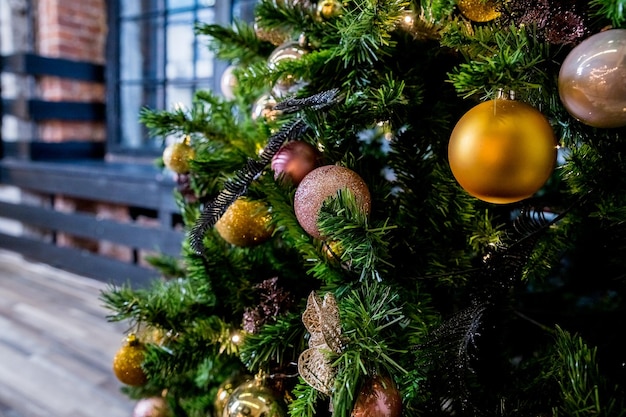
(470, 308)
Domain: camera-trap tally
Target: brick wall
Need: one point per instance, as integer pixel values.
(73, 30)
(76, 29)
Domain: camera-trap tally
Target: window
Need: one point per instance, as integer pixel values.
(156, 61)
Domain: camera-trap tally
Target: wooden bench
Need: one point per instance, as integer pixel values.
(78, 170)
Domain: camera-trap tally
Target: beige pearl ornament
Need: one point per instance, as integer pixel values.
(592, 80)
(322, 183)
(502, 151)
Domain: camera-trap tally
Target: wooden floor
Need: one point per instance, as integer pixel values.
(56, 347)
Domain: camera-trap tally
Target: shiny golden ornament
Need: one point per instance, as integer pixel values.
(592, 80)
(479, 11)
(502, 151)
(253, 399)
(329, 9)
(127, 362)
(322, 183)
(245, 223)
(226, 389)
(177, 155)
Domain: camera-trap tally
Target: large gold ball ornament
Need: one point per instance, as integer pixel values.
(253, 399)
(502, 151)
(127, 362)
(176, 156)
(322, 183)
(592, 80)
(479, 11)
(245, 223)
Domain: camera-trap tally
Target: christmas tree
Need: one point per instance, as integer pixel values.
(394, 208)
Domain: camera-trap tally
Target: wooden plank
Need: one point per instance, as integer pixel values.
(80, 262)
(37, 65)
(55, 354)
(39, 110)
(99, 181)
(89, 226)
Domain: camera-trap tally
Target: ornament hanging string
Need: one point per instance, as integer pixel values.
(238, 185)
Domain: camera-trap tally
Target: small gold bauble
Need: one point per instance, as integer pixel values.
(253, 399)
(479, 10)
(245, 223)
(323, 183)
(502, 151)
(328, 9)
(127, 362)
(176, 156)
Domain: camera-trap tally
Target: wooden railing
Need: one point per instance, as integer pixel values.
(78, 170)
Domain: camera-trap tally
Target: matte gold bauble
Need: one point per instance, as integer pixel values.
(502, 151)
(253, 399)
(479, 10)
(322, 183)
(245, 223)
(127, 362)
(592, 80)
(378, 397)
(176, 156)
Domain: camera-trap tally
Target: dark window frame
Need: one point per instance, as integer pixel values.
(224, 13)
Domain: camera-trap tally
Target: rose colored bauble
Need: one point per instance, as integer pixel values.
(253, 399)
(151, 407)
(592, 80)
(176, 156)
(502, 151)
(127, 362)
(294, 160)
(479, 10)
(322, 183)
(245, 223)
(379, 397)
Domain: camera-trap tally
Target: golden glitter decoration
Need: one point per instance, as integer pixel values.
(245, 223)
(479, 10)
(127, 362)
(177, 155)
(322, 183)
(321, 319)
(502, 151)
